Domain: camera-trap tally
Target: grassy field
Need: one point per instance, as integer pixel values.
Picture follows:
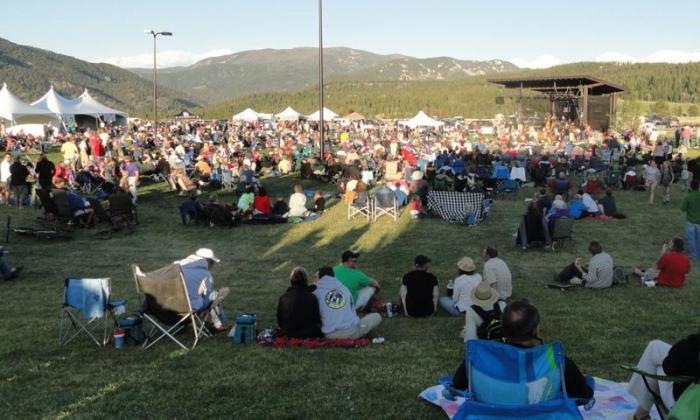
(39, 379)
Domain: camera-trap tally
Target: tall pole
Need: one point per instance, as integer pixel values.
(155, 92)
(320, 78)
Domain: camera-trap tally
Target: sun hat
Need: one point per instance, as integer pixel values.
(466, 264)
(416, 175)
(207, 253)
(484, 296)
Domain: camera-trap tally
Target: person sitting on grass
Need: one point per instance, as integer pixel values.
(416, 208)
(463, 285)
(261, 203)
(609, 205)
(280, 208)
(671, 269)
(297, 203)
(486, 305)
(319, 203)
(576, 206)
(521, 328)
(660, 358)
(190, 209)
(597, 274)
(592, 208)
(361, 287)
(419, 290)
(298, 315)
(245, 202)
(561, 185)
(338, 312)
(496, 273)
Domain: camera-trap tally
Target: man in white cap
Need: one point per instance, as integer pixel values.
(196, 270)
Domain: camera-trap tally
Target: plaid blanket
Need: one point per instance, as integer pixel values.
(453, 206)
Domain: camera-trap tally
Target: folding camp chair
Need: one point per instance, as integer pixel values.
(88, 308)
(658, 401)
(227, 181)
(510, 382)
(508, 187)
(385, 205)
(167, 307)
(361, 205)
(122, 212)
(563, 228)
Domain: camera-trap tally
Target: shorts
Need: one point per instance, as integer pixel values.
(19, 190)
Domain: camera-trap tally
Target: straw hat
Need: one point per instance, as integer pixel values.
(484, 296)
(466, 264)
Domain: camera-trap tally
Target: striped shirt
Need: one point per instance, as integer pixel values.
(600, 271)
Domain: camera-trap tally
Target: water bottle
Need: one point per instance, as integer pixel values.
(389, 310)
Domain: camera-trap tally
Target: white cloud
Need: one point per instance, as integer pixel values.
(663, 56)
(541, 62)
(168, 58)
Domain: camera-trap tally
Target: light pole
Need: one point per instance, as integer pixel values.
(320, 77)
(155, 91)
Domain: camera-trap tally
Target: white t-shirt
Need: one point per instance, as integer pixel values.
(462, 290)
(590, 203)
(4, 170)
(297, 204)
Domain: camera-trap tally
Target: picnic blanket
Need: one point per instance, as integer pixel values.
(453, 206)
(613, 402)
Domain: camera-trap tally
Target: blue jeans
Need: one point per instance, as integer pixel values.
(692, 230)
(449, 306)
(5, 268)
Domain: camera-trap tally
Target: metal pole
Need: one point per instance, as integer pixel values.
(320, 77)
(155, 92)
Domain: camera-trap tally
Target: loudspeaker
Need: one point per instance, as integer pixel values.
(500, 100)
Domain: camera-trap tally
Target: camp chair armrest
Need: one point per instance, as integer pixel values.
(664, 378)
(116, 303)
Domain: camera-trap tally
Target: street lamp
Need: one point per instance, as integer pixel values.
(320, 76)
(155, 92)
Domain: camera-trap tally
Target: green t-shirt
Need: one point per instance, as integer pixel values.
(691, 206)
(353, 279)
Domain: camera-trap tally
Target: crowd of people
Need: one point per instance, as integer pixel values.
(575, 170)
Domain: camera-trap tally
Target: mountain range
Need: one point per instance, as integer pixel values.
(269, 70)
(29, 72)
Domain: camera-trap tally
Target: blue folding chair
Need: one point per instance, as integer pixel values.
(87, 308)
(510, 382)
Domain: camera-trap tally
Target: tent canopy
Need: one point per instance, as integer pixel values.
(328, 115)
(14, 109)
(422, 120)
(246, 115)
(289, 114)
(90, 106)
(57, 104)
(354, 116)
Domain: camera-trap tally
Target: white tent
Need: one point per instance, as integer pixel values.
(289, 114)
(422, 120)
(88, 105)
(246, 115)
(327, 115)
(14, 109)
(64, 108)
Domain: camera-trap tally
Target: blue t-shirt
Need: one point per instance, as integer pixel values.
(576, 208)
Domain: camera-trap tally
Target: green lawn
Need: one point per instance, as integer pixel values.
(600, 329)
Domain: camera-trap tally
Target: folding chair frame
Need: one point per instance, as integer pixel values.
(378, 211)
(68, 312)
(658, 401)
(366, 210)
(159, 329)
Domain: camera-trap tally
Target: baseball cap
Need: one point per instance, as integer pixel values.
(349, 255)
(207, 253)
(421, 260)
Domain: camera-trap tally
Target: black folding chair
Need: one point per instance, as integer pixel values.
(658, 401)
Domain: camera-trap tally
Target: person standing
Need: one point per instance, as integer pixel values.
(651, 179)
(45, 170)
(131, 171)
(5, 177)
(691, 207)
(419, 290)
(496, 273)
(18, 181)
(666, 180)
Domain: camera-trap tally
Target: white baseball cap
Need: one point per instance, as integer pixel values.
(207, 254)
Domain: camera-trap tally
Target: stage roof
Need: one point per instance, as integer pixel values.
(561, 84)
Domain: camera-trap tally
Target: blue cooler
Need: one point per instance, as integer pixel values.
(244, 330)
(133, 328)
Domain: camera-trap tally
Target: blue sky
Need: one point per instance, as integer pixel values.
(530, 33)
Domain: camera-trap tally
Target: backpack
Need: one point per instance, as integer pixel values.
(491, 328)
(619, 276)
(244, 330)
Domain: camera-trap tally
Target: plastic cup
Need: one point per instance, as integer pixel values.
(119, 335)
